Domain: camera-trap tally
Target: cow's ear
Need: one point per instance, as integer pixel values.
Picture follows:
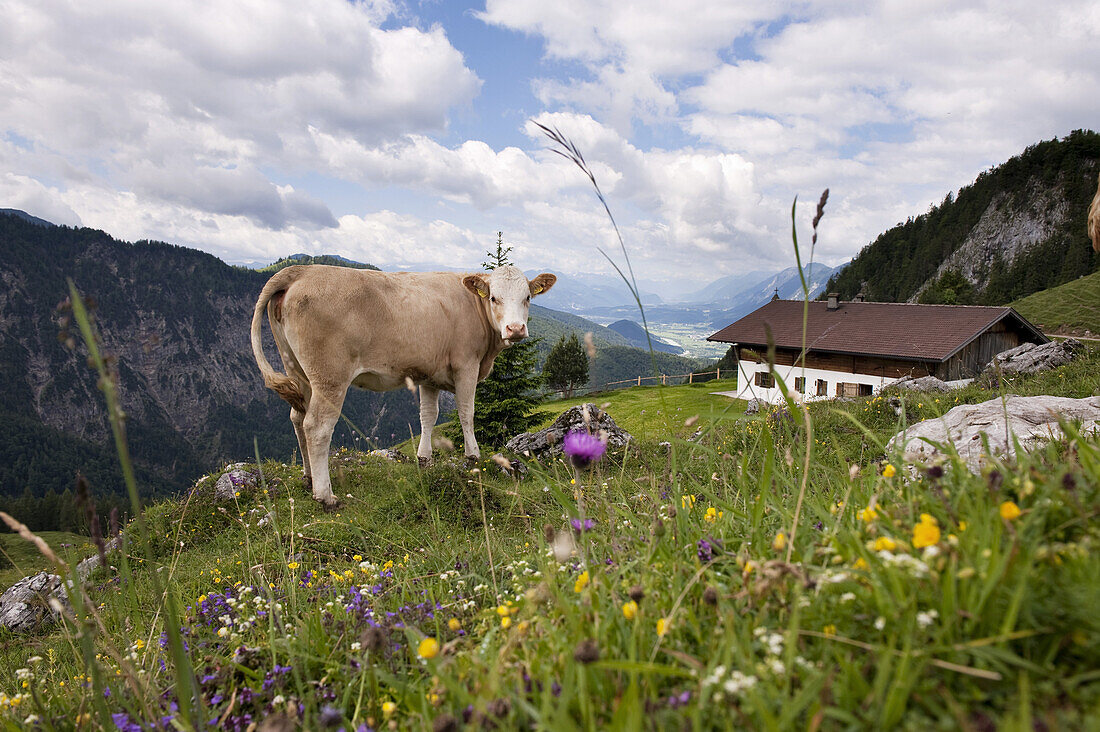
(542, 283)
(477, 284)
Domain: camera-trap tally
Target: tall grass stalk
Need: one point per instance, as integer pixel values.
(190, 706)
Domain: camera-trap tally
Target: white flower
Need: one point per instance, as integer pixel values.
(848, 597)
(880, 623)
(926, 619)
(356, 646)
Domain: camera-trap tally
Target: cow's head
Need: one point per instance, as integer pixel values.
(509, 294)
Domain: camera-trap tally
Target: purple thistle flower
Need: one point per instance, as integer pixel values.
(706, 551)
(583, 449)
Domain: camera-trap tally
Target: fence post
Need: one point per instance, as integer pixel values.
(719, 376)
(690, 377)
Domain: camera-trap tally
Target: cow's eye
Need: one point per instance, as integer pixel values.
(493, 298)
(528, 298)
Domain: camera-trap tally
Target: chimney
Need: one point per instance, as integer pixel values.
(834, 301)
(858, 298)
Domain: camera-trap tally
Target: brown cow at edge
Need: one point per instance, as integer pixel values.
(337, 327)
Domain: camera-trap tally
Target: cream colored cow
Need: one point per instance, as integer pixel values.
(337, 327)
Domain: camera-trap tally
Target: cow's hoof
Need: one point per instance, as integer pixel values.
(423, 462)
(330, 505)
(307, 481)
(472, 460)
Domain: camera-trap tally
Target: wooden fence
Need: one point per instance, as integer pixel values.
(663, 379)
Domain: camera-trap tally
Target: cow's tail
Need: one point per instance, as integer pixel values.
(281, 384)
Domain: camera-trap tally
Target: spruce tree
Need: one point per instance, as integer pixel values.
(566, 366)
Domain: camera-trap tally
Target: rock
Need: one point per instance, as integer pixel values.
(546, 444)
(389, 454)
(235, 478)
(25, 606)
(85, 568)
(1031, 358)
(753, 407)
(1030, 420)
(924, 383)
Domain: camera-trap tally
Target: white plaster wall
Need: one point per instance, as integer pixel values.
(747, 388)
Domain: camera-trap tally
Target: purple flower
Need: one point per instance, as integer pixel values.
(582, 526)
(583, 449)
(706, 551)
(124, 723)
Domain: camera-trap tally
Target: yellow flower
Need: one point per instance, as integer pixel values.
(506, 621)
(927, 518)
(139, 644)
(712, 515)
(867, 515)
(885, 544)
(581, 582)
(662, 626)
(292, 565)
(1010, 511)
(925, 534)
(860, 563)
(454, 624)
(429, 647)
(779, 541)
(630, 609)
(829, 630)
(388, 708)
(889, 471)
(358, 558)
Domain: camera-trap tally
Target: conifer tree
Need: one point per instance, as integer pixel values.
(566, 365)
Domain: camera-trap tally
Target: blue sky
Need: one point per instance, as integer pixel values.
(400, 133)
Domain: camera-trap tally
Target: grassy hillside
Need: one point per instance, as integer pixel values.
(713, 586)
(1069, 309)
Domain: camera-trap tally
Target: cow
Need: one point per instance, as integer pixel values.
(337, 327)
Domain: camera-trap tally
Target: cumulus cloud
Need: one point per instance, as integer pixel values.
(188, 101)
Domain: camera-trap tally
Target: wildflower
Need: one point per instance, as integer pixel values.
(712, 515)
(829, 630)
(860, 563)
(630, 609)
(662, 626)
(388, 708)
(1010, 511)
(924, 619)
(885, 544)
(579, 526)
(292, 565)
(583, 449)
(705, 551)
(927, 532)
(454, 624)
(889, 471)
(506, 622)
(582, 582)
(868, 514)
(429, 648)
(780, 541)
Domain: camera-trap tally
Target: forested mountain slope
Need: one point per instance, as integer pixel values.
(1018, 229)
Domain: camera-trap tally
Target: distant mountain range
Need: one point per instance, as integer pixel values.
(635, 335)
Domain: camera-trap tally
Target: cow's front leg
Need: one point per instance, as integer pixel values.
(465, 386)
(429, 412)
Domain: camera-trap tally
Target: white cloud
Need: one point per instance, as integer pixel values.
(187, 101)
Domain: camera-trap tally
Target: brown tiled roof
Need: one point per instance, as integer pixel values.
(894, 330)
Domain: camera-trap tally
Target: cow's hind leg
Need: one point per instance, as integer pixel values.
(429, 412)
(297, 419)
(320, 420)
(465, 386)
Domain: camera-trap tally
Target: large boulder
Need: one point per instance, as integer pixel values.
(1030, 420)
(926, 383)
(25, 606)
(1031, 358)
(235, 478)
(545, 444)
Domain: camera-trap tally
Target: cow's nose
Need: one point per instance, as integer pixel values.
(516, 331)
